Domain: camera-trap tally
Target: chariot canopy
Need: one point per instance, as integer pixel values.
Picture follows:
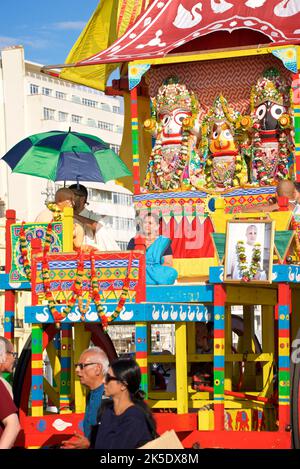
(124, 30)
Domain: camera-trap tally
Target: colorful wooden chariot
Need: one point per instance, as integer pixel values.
(223, 132)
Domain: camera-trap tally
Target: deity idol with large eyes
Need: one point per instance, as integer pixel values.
(225, 167)
(271, 125)
(174, 162)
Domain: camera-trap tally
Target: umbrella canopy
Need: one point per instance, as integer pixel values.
(66, 156)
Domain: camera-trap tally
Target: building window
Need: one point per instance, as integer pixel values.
(62, 116)
(91, 123)
(115, 148)
(48, 113)
(105, 126)
(34, 89)
(105, 196)
(119, 129)
(46, 91)
(116, 109)
(60, 95)
(76, 99)
(76, 119)
(105, 107)
(125, 224)
(89, 102)
(122, 199)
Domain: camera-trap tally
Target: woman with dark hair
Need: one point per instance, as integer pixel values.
(159, 256)
(126, 421)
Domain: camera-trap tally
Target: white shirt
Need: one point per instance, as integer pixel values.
(103, 239)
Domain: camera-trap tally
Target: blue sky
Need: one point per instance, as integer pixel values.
(46, 28)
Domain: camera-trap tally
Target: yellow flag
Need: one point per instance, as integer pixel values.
(109, 21)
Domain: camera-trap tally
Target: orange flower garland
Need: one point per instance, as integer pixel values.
(57, 316)
(97, 299)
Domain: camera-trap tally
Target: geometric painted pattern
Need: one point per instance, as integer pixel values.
(32, 231)
(111, 271)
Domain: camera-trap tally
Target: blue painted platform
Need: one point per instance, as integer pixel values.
(280, 273)
(5, 284)
(132, 312)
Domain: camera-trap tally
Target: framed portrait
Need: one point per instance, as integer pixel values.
(249, 251)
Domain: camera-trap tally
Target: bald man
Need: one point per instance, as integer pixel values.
(64, 197)
(285, 188)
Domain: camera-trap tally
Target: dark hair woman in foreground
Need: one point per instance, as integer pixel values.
(126, 421)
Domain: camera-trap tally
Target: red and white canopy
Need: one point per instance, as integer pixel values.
(168, 24)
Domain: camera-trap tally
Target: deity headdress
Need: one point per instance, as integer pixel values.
(219, 112)
(174, 95)
(271, 86)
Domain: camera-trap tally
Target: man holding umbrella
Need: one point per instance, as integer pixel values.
(96, 234)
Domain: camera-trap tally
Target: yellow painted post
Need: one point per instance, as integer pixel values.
(268, 346)
(82, 340)
(181, 368)
(55, 364)
(68, 229)
(37, 391)
(191, 335)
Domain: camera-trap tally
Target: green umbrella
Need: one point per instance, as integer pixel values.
(66, 156)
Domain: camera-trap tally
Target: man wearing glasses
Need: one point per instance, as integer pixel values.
(91, 370)
(9, 421)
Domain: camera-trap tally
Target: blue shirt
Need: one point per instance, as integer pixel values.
(91, 411)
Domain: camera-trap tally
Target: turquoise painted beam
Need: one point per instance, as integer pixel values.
(132, 312)
(5, 284)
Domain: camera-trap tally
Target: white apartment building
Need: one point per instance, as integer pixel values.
(33, 102)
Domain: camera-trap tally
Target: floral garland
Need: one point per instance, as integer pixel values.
(84, 309)
(57, 216)
(24, 248)
(248, 273)
(280, 166)
(272, 87)
(97, 299)
(183, 99)
(58, 316)
(154, 165)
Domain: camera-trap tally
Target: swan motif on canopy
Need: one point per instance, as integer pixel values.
(186, 19)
